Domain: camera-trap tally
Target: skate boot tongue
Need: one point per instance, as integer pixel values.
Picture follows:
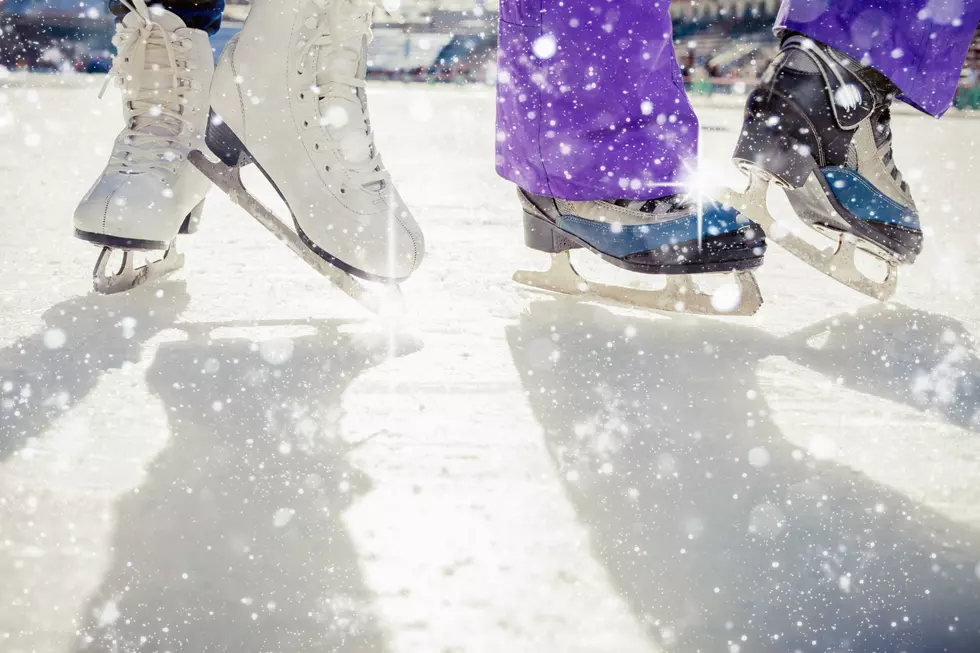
(345, 29)
(342, 114)
(150, 66)
(881, 124)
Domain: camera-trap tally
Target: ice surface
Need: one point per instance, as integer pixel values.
(240, 459)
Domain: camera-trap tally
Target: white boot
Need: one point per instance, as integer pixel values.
(149, 191)
(288, 93)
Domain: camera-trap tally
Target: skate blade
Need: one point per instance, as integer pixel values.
(127, 276)
(681, 294)
(386, 300)
(839, 263)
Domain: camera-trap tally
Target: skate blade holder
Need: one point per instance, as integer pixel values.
(839, 261)
(384, 300)
(680, 294)
(127, 275)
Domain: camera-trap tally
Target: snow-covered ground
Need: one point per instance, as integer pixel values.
(240, 459)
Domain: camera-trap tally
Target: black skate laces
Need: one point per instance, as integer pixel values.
(882, 126)
(681, 202)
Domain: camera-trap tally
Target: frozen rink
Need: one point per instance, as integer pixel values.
(241, 459)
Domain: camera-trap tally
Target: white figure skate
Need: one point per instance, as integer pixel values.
(288, 95)
(149, 192)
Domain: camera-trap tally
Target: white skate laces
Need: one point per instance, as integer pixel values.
(151, 66)
(336, 56)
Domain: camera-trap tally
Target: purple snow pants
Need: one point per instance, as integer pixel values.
(590, 102)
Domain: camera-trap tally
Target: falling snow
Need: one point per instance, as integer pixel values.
(241, 458)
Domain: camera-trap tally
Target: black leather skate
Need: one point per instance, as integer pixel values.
(819, 126)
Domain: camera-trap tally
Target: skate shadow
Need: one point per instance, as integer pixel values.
(45, 375)
(924, 360)
(236, 541)
(714, 553)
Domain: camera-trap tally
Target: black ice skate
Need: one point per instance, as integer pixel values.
(819, 127)
(669, 236)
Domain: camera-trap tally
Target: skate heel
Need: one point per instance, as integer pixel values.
(768, 141)
(221, 140)
(542, 235)
(193, 220)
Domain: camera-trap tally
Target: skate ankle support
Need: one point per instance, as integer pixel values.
(778, 138)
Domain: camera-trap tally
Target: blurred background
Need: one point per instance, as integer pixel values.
(722, 45)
